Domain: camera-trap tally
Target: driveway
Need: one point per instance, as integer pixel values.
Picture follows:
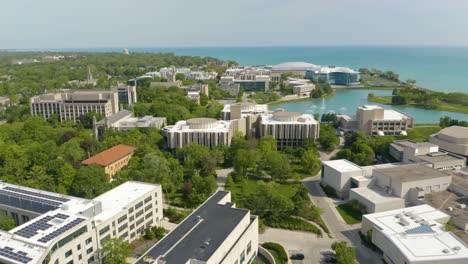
(340, 230)
(221, 177)
(298, 242)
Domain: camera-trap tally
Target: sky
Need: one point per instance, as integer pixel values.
(170, 23)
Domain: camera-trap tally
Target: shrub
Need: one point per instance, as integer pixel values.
(292, 223)
(329, 191)
(277, 251)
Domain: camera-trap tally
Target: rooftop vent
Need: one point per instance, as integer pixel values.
(446, 251)
(456, 248)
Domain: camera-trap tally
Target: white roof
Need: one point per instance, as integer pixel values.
(390, 114)
(376, 196)
(293, 66)
(183, 126)
(342, 165)
(421, 238)
(301, 119)
(116, 200)
(331, 69)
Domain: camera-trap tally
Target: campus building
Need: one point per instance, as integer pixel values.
(71, 104)
(414, 235)
(333, 75)
(127, 94)
(410, 151)
(229, 86)
(216, 232)
(244, 109)
(301, 87)
(297, 69)
(56, 228)
(113, 159)
(125, 121)
(250, 79)
(453, 139)
(204, 131)
(383, 187)
(375, 120)
(290, 129)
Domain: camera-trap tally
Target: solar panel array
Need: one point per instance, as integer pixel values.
(61, 230)
(41, 224)
(41, 195)
(19, 256)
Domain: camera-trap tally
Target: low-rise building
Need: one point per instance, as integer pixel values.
(452, 139)
(228, 85)
(244, 109)
(249, 78)
(301, 87)
(204, 131)
(290, 129)
(216, 232)
(414, 235)
(71, 104)
(385, 186)
(297, 69)
(125, 121)
(56, 228)
(113, 159)
(375, 120)
(410, 151)
(333, 75)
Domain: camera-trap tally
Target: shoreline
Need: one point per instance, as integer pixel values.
(377, 99)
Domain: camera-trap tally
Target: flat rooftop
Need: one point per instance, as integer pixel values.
(117, 199)
(455, 131)
(417, 234)
(411, 172)
(440, 157)
(390, 114)
(376, 195)
(342, 165)
(200, 234)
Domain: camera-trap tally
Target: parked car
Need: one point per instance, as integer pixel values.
(298, 256)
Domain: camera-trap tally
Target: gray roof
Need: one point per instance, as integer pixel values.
(116, 117)
(440, 157)
(200, 234)
(455, 131)
(411, 172)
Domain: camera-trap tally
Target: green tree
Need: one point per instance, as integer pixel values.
(90, 181)
(328, 139)
(344, 254)
(6, 223)
(116, 251)
(311, 162)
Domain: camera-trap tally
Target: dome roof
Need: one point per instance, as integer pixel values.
(294, 66)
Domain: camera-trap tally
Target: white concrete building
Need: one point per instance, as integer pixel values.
(375, 120)
(290, 129)
(204, 131)
(71, 104)
(244, 109)
(452, 139)
(55, 228)
(415, 235)
(410, 151)
(125, 121)
(383, 187)
(301, 87)
(215, 233)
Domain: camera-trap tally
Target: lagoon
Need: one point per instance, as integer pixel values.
(346, 102)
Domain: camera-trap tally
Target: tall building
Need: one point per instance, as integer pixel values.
(204, 131)
(290, 129)
(127, 94)
(453, 139)
(55, 228)
(375, 120)
(216, 232)
(71, 104)
(414, 235)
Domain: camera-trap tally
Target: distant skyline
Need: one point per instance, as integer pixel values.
(51, 24)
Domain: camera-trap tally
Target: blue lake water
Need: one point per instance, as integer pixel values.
(346, 102)
(436, 68)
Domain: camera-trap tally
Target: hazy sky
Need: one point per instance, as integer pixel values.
(156, 23)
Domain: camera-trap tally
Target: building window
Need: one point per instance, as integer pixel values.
(68, 253)
(88, 241)
(104, 230)
(89, 250)
(242, 257)
(138, 205)
(249, 247)
(78, 247)
(148, 199)
(121, 219)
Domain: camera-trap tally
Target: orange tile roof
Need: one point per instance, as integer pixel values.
(110, 155)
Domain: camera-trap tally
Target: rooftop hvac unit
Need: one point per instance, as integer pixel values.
(462, 206)
(450, 209)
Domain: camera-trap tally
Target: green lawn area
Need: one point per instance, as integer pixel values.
(441, 106)
(350, 215)
(246, 187)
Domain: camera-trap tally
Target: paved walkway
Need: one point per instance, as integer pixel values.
(222, 177)
(340, 230)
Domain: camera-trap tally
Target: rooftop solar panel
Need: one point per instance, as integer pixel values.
(31, 198)
(19, 256)
(61, 230)
(37, 194)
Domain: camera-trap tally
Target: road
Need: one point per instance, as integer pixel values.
(340, 230)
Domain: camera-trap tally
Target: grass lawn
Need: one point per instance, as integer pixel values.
(246, 187)
(350, 215)
(441, 106)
